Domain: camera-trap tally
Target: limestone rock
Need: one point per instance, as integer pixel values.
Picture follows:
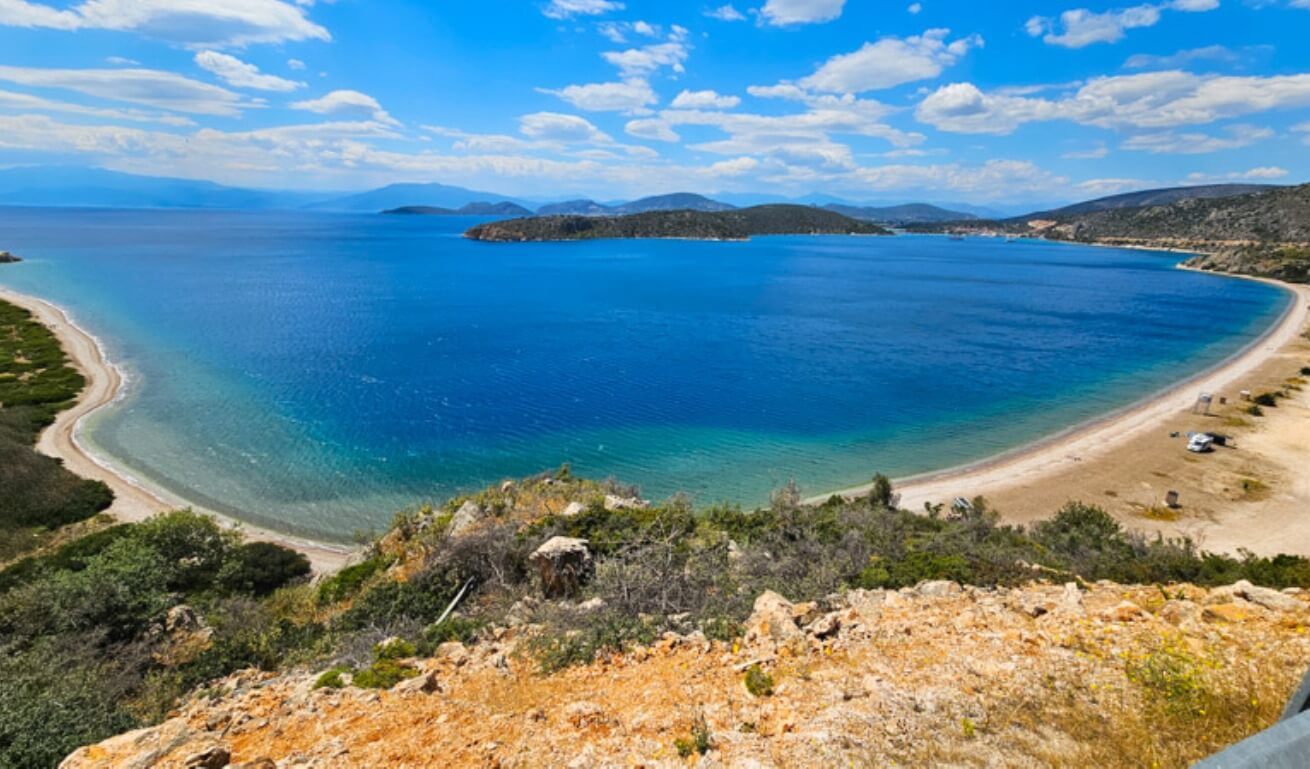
(215, 757)
(614, 502)
(425, 683)
(1124, 611)
(772, 620)
(564, 564)
(938, 588)
(1267, 597)
(1227, 612)
(465, 518)
(825, 626)
(573, 508)
(1183, 614)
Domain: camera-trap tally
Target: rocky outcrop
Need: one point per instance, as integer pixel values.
(465, 518)
(8, 258)
(563, 565)
(928, 676)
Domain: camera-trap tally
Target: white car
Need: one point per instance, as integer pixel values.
(1200, 443)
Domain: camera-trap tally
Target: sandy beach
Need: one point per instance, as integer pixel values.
(133, 499)
(1126, 462)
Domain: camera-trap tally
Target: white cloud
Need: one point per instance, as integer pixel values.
(1173, 143)
(704, 100)
(1103, 187)
(1261, 174)
(152, 88)
(890, 62)
(1081, 27)
(119, 61)
(1149, 100)
(639, 62)
(240, 74)
(186, 22)
(786, 12)
(725, 13)
(652, 129)
(347, 103)
(553, 126)
(21, 102)
(633, 95)
(1212, 53)
(566, 9)
(914, 8)
(295, 64)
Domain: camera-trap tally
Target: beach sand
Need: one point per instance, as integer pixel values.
(1127, 462)
(133, 500)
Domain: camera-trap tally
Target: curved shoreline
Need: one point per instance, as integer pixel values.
(1045, 457)
(134, 500)
(1027, 464)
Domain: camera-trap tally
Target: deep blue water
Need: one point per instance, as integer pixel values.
(317, 372)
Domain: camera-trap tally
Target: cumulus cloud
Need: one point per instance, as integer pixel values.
(1081, 27)
(240, 74)
(639, 62)
(633, 95)
(783, 13)
(890, 62)
(704, 100)
(22, 102)
(553, 126)
(1149, 100)
(1261, 174)
(347, 103)
(185, 22)
(149, 87)
(567, 9)
(725, 13)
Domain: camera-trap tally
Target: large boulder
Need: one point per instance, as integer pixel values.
(564, 564)
(465, 518)
(773, 620)
(1261, 596)
(614, 502)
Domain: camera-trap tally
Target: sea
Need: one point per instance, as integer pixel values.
(315, 373)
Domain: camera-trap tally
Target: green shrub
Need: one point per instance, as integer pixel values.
(259, 568)
(1255, 410)
(1305, 371)
(698, 742)
(1267, 400)
(383, 674)
(880, 493)
(462, 629)
(347, 582)
(394, 649)
(758, 682)
(333, 678)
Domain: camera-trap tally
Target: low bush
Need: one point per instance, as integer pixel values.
(1268, 400)
(758, 683)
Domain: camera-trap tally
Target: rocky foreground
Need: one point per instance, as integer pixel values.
(1045, 675)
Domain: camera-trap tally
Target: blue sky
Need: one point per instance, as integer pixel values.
(937, 100)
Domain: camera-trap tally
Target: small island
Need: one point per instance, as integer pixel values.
(8, 258)
(738, 224)
(503, 208)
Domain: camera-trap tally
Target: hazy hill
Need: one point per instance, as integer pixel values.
(582, 207)
(1160, 197)
(910, 213)
(678, 201)
(481, 208)
(402, 195)
(737, 224)
(58, 186)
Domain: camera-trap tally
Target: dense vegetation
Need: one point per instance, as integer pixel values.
(737, 224)
(103, 635)
(106, 633)
(36, 383)
(503, 208)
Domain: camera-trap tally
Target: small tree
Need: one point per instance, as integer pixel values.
(880, 494)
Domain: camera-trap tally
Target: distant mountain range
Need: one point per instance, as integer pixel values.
(912, 213)
(57, 186)
(54, 186)
(1160, 197)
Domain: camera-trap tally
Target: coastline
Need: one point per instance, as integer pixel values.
(134, 500)
(1047, 457)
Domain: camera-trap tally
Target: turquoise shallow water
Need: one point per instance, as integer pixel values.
(316, 372)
